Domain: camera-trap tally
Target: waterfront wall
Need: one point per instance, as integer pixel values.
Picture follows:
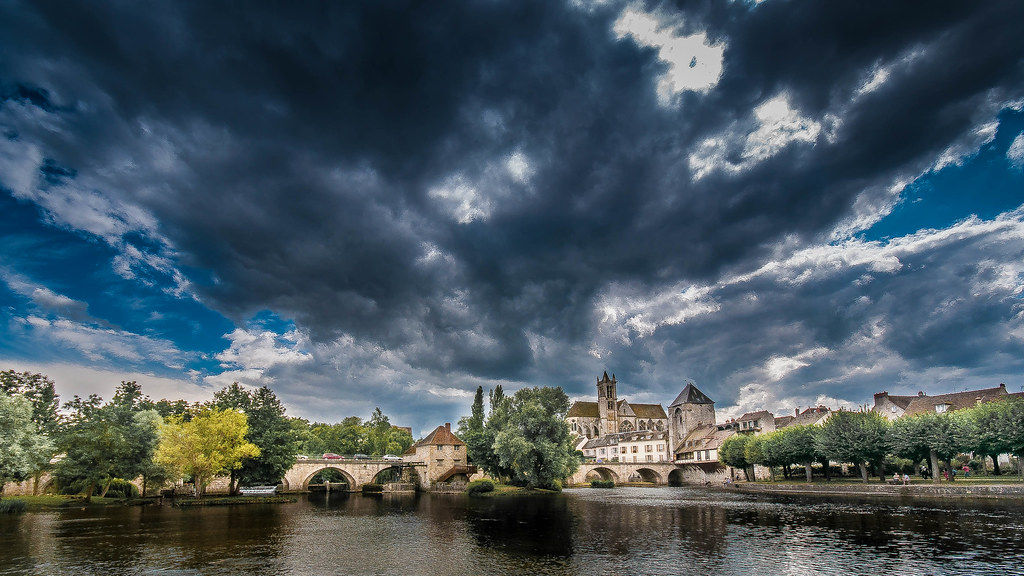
(945, 489)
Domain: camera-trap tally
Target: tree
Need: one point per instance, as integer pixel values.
(471, 429)
(21, 445)
(269, 430)
(212, 443)
(102, 442)
(532, 444)
(856, 437)
(383, 438)
(931, 436)
(733, 452)
(988, 438)
(41, 394)
(797, 444)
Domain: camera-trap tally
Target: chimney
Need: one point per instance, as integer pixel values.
(796, 411)
(920, 393)
(448, 427)
(1001, 385)
(881, 395)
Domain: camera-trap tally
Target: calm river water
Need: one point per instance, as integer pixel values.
(585, 531)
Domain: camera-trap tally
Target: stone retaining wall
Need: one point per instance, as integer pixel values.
(924, 490)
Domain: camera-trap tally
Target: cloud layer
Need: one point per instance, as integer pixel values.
(526, 193)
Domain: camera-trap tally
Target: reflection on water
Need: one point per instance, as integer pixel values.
(584, 531)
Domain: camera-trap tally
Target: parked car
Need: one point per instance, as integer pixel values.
(361, 457)
(301, 457)
(333, 456)
(391, 458)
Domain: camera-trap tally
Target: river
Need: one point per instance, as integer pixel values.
(582, 531)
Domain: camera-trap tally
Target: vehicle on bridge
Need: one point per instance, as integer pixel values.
(361, 457)
(391, 458)
(333, 456)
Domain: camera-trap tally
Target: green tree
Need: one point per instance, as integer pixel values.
(988, 438)
(41, 394)
(383, 438)
(345, 437)
(269, 430)
(931, 436)
(533, 446)
(733, 452)
(211, 444)
(102, 442)
(797, 446)
(855, 437)
(22, 446)
(471, 429)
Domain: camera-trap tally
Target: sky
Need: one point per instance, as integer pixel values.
(389, 204)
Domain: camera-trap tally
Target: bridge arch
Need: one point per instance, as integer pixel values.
(305, 481)
(602, 473)
(647, 475)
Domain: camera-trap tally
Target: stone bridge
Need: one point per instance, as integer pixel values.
(356, 472)
(654, 472)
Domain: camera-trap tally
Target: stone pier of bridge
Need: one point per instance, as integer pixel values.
(659, 473)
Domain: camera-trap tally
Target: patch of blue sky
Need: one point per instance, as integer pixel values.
(984, 185)
(80, 267)
(270, 321)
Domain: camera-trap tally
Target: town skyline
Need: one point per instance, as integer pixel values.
(367, 205)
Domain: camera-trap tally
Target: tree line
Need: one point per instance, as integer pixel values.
(90, 445)
(868, 440)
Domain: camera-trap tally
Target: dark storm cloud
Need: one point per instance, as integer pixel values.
(307, 158)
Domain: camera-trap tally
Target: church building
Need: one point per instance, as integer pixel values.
(610, 415)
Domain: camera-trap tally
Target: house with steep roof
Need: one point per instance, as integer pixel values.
(924, 404)
(690, 410)
(891, 406)
(444, 454)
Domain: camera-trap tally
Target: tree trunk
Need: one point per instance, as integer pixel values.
(995, 465)
(810, 472)
(88, 493)
(863, 471)
(934, 460)
(103, 493)
(748, 472)
(881, 471)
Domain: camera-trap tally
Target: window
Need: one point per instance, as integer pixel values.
(615, 450)
(661, 447)
(941, 408)
(649, 448)
(650, 458)
(601, 451)
(698, 455)
(634, 450)
(707, 454)
(611, 405)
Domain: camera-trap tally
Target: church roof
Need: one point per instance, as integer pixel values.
(691, 395)
(582, 409)
(649, 411)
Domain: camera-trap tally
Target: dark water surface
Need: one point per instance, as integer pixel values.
(586, 531)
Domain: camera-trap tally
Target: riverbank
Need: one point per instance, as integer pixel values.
(56, 502)
(920, 490)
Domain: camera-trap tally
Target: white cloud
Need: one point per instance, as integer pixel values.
(693, 63)
(1015, 154)
(471, 198)
(625, 311)
(74, 379)
(777, 126)
(261, 350)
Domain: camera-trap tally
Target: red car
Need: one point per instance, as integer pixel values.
(333, 456)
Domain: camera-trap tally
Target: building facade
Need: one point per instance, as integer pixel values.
(610, 415)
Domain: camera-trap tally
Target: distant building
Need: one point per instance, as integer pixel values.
(609, 415)
(814, 416)
(893, 407)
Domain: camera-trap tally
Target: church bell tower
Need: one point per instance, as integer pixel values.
(607, 404)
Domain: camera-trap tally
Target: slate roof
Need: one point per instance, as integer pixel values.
(691, 395)
(807, 417)
(649, 411)
(924, 404)
(756, 415)
(704, 438)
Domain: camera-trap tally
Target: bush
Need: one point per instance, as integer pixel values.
(122, 489)
(479, 487)
(12, 506)
(602, 484)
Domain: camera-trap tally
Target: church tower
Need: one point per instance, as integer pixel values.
(607, 405)
(691, 409)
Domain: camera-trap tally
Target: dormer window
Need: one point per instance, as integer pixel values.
(941, 408)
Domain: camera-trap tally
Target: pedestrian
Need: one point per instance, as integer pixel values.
(906, 479)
